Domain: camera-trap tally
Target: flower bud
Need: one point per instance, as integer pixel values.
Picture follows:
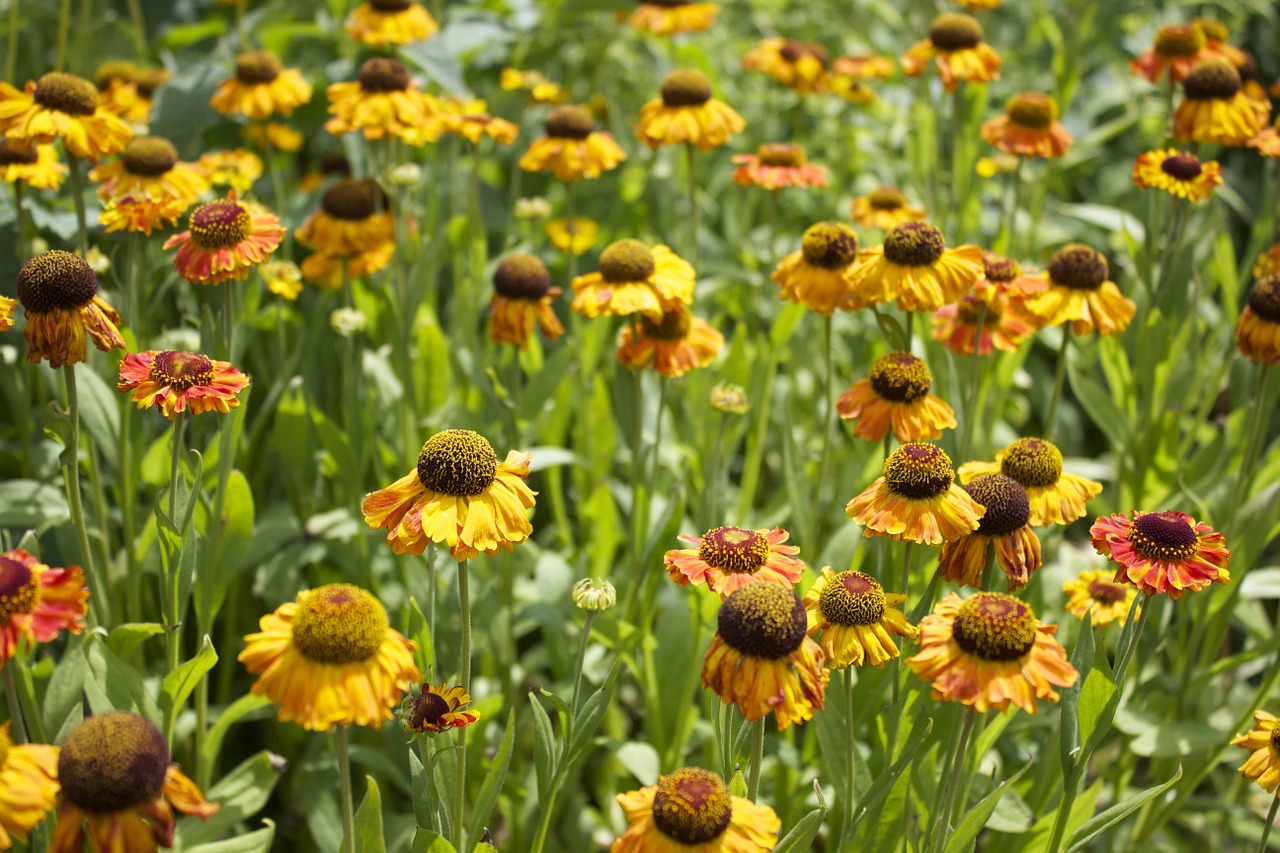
(594, 594)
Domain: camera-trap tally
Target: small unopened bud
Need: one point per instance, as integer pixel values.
(347, 321)
(730, 399)
(533, 208)
(594, 594)
(97, 261)
(405, 175)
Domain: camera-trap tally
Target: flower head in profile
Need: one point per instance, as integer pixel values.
(915, 269)
(34, 165)
(138, 213)
(777, 165)
(1029, 127)
(895, 396)
(7, 307)
(127, 91)
(1179, 173)
(982, 325)
(672, 17)
(579, 241)
(634, 279)
(1006, 277)
(540, 89)
(178, 382)
(817, 276)
(693, 810)
(380, 23)
(672, 346)
(884, 208)
(273, 136)
(522, 298)
(990, 651)
(1268, 261)
(956, 46)
(119, 788)
(798, 65)
(1215, 109)
(728, 558)
(572, 148)
(384, 102)
(149, 166)
(353, 218)
(1098, 594)
(1162, 553)
(469, 118)
(260, 88)
(1036, 464)
(1263, 744)
(686, 113)
(28, 786)
(283, 278)
(329, 270)
(1004, 527)
(330, 659)
(37, 602)
(1267, 142)
(917, 499)
(856, 618)
(730, 399)
(1173, 52)
(1258, 330)
(237, 169)
(865, 66)
(1080, 293)
(434, 709)
(762, 659)
(460, 495)
(60, 294)
(61, 106)
(224, 240)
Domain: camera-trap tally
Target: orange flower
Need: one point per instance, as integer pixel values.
(798, 65)
(224, 240)
(261, 88)
(1004, 325)
(915, 269)
(522, 296)
(1004, 527)
(896, 394)
(572, 148)
(1162, 553)
(178, 382)
(140, 213)
(1005, 276)
(728, 558)
(379, 23)
(672, 346)
(955, 44)
(885, 208)
(435, 709)
(37, 602)
(1258, 331)
(865, 66)
(61, 106)
(60, 294)
(1029, 127)
(1080, 293)
(817, 276)
(777, 165)
(672, 17)
(916, 500)
(1176, 48)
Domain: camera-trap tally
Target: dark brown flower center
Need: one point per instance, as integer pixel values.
(995, 627)
(686, 87)
(914, 244)
(383, 74)
(852, 598)
(339, 624)
(16, 155)
(675, 325)
(19, 589)
(1213, 79)
(150, 80)
(1008, 508)
(353, 200)
(391, 5)
(1078, 267)
(1164, 536)
(570, 122)
(1106, 591)
(626, 261)
(66, 93)
(692, 806)
(181, 370)
(457, 462)
(764, 620)
(955, 31)
(1175, 41)
(1032, 110)
(112, 762)
(887, 198)
(114, 72)
(971, 311)
(220, 224)
(426, 709)
(918, 471)
(1183, 167)
(900, 377)
(149, 156)
(522, 277)
(794, 51)
(781, 154)
(257, 67)
(830, 245)
(1275, 739)
(999, 269)
(734, 549)
(1033, 462)
(56, 280)
(1264, 298)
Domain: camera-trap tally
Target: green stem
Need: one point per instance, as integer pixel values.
(76, 181)
(1171, 246)
(957, 115)
(693, 203)
(20, 225)
(139, 29)
(1011, 227)
(570, 227)
(11, 61)
(1257, 420)
(64, 27)
(827, 404)
(943, 827)
(1059, 378)
(582, 655)
(424, 752)
(347, 804)
(464, 680)
(71, 476)
(971, 414)
(173, 639)
(240, 31)
(1266, 827)
(757, 758)
(850, 750)
(17, 729)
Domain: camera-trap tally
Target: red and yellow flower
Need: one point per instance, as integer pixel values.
(1003, 527)
(865, 66)
(224, 240)
(1005, 276)
(915, 269)
(139, 213)
(261, 87)
(435, 709)
(379, 23)
(687, 114)
(856, 618)
(692, 811)
(1029, 127)
(37, 603)
(522, 298)
(60, 294)
(1036, 464)
(572, 148)
(956, 46)
(1174, 51)
(177, 382)
(1080, 293)
(982, 325)
(728, 558)
(885, 208)
(777, 165)
(61, 106)
(635, 279)
(1095, 592)
(1162, 553)
(817, 276)
(916, 500)
(895, 395)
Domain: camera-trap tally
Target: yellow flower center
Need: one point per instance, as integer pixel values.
(686, 87)
(918, 471)
(338, 624)
(150, 80)
(257, 67)
(852, 598)
(1033, 462)
(383, 74)
(1213, 30)
(764, 620)
(1106, 591)
(457, 462)
(56, 280)
(1182, 167)
(794, 51)
(781, 154)
(734, 549)
(570, 122)
(15, 155)
(1008, 508)
(1264, 298)
(971, 309)
(995, 627)
(955, 31)
(830, 245)
(887, 198)
(675, 325)
(900, 377)
(353, 200)
(112, 72)
(220, 224)
(391, 5)
(1163, 536)
(112, 762)
(1078, 267)
(426, 709)
(66, 93)
(522, 277)
(626, 261)
(1178, 40)
(914, 244)
(692, 806)
(149, 156)
(1212, 80)
(181, 370)
(999, 269)
(19, 589)
(1032, 110)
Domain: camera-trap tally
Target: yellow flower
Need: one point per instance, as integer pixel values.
(261, 88)
(434, 709)
(460, 495)
(522, 298)
(60, 294)
(274, 136)
(1036, 464)
(856, 618)
(1175, 49)
(817, 276)
(237, 168)
(673, 346)
(572, 148)
(1214, 109)
(325, 269)
(1258, 330)
(671, 17)
(283, 278)
(140, 214)
(1003, 526)
(585, 232)
(384, 102)
(379, 23)
(686, 113)
(1080, 293)
(634, 278)
(468, 118)
(955, 44)
(692, 811)
(1263, 743)
(796, 64)
(1179, 173)
(34, 165)
(352, 219)
(1029, 127)
(915, 268)
(895, 395)
(61, 106)
(1097, 593)
(542, 90)
(149, 166)
(885, 208)
(777, 165)
(28, 786)
(916, 500)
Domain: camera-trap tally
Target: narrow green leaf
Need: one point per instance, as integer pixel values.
(802, 834)
(1101, 823)
(1082, 660)
(544, 746)
(240, 795)
(179, 684)
(592, 713)
(962, 840)
(369, 836)
(884, 782)
(430, 842)
(254, 842)
(237, 711)
(482, 807)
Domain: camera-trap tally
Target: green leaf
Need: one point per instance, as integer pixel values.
(1082, 660)
(1170, 740)
(179, 684)
(962, 840)
(430, 842)
(421, 782)
(240, 795)
(100, 414)
(1101, 823)
(27, 503)
(584, 728)
(482, 806)
(369, 836)
(254, 842)
(113, 685)
(126, 638)
(237, 711)
(544, 746)
(1098, 702)
(885, 781)
(63, 696)
(802, 834)
(641, 761)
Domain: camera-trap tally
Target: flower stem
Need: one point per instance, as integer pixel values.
(582, 655)
(811, 534)
(346, 804)
(11, 61)
(173, 639)
(1266, 827)
(943, 826)
(972, 416)
(64, 27)
(850, 750)
(71, 477)
(757, 758)
(19, 731)
(76, 181)
(693, 202)
(464, 680)
(1251, 445)
(571, 227)
(1059, 377)
(139, 29)
(1011, 242)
